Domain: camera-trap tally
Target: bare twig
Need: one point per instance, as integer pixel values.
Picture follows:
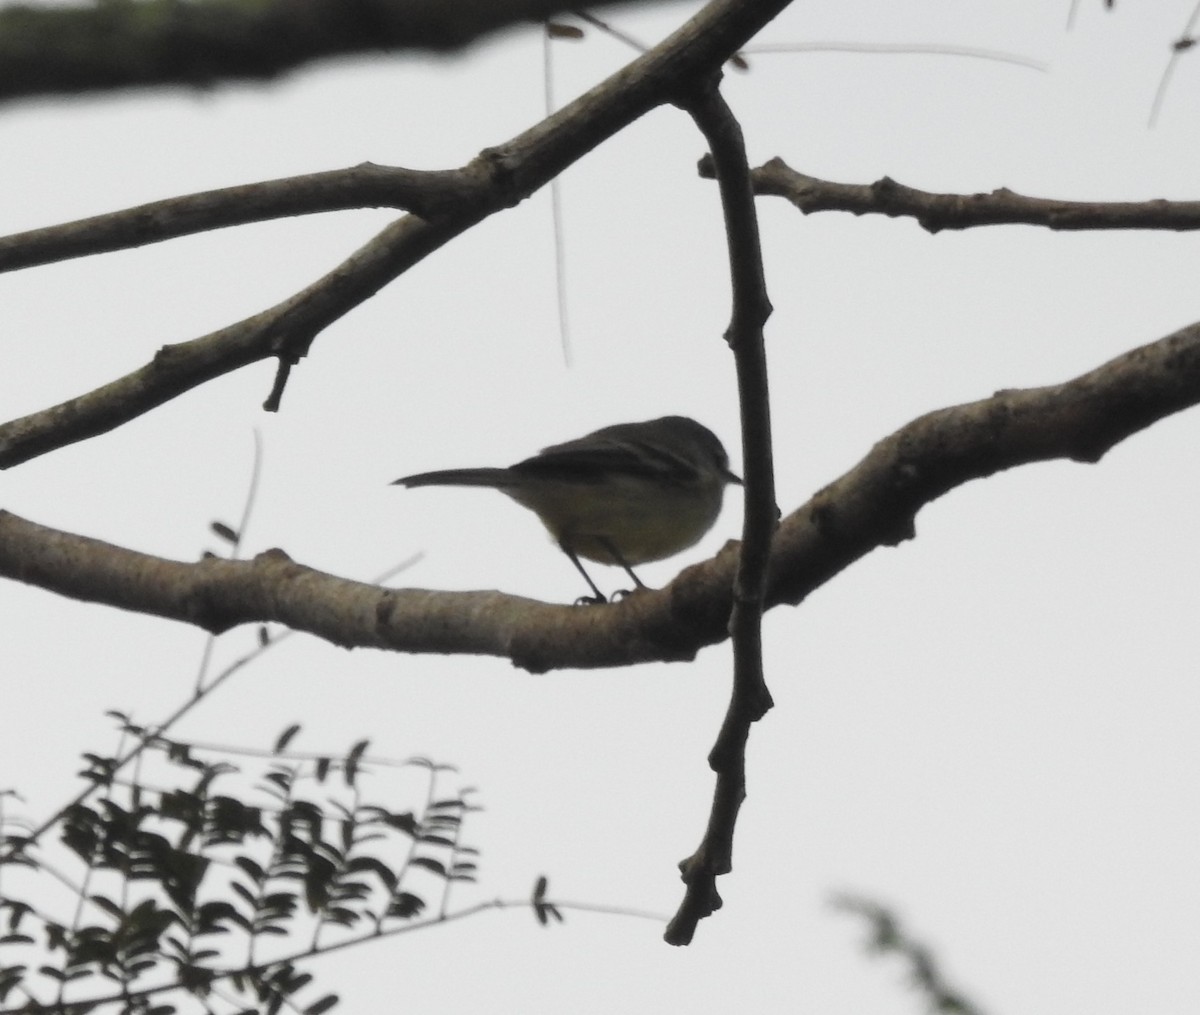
(750, 698)
(898, 49)
(936, 212)
(1184, 44)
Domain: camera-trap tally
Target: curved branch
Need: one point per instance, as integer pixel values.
(750, 699)
(876, 502)
(63, 50)
(936, 212)
(498, 178)
(872, 505)
(427, 193)
(216, 594)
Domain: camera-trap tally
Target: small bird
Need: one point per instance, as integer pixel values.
(624, 495)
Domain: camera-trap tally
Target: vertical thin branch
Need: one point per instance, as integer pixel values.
(1181, 45)
(556, 213)
(234, 551)
(750, 698)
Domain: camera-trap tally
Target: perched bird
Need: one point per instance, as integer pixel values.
(624, 495)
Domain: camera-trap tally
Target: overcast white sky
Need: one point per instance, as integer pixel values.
(994, 728)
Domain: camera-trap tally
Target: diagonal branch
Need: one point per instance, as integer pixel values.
(498, 178)
(284, 331)
(876, 502)
(429, 194)
(936, 212)
(872, 505)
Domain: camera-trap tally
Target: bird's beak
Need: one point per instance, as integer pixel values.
(733, 477)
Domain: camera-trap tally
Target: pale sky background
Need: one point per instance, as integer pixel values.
(994, 728)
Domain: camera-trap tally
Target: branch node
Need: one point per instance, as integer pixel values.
(282, 372)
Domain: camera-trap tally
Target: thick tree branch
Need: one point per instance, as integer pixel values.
(217, 594)
(57, 50)
(872, 505)
(875, 504)
(936, 212)
(498, 178)
(750, 698)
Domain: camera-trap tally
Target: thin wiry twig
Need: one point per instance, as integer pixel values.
(556, 212)
(251, 495)
(1185, 42)
(234, 550)
(608, 29)
(900, 49)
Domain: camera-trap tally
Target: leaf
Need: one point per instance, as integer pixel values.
(243, 891)
(342, 916)
(107, 904)
(224, 531)
(557, 30)
(251, 867)
(285, 738)
(544, 910)
(17, 913)
(281, 778)
(211, 916)
(405, 905)
(386, 875)
(539, 888)
(281, 903)
(322, 1006)
(298, 981)
(454, 803)
(405, 822)
(353, 760)
(429, 864)
(10, 978)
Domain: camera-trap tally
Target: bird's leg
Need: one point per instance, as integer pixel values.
(611, 547)
(596, 600)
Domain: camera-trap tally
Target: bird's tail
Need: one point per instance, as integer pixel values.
(458, 477)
